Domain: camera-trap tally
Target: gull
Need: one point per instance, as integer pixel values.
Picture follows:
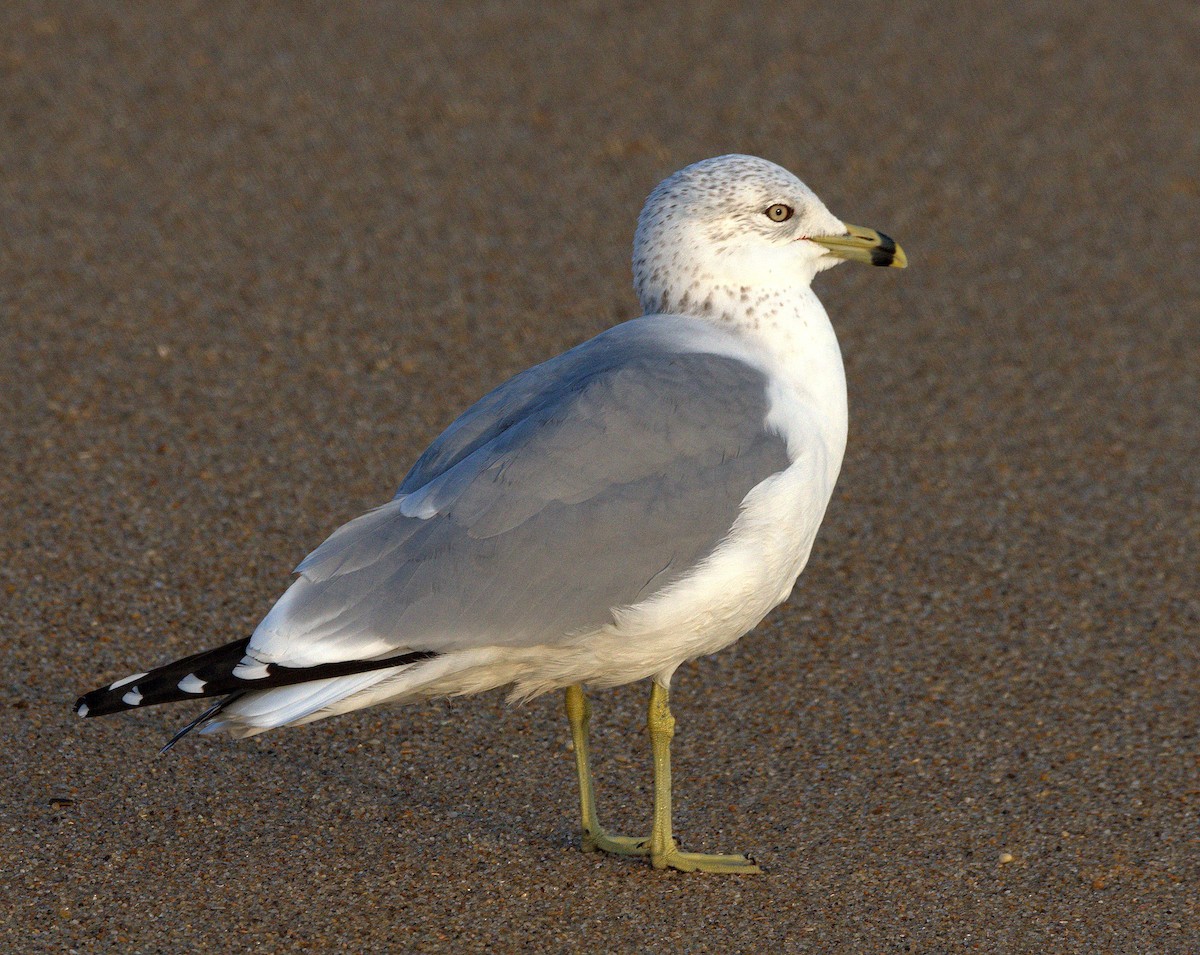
(641, 500)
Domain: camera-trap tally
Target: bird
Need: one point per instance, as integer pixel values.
(641, 500)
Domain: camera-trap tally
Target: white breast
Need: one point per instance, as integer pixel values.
(756, 566)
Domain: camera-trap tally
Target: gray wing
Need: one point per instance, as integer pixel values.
(531, 391)
(582, 485)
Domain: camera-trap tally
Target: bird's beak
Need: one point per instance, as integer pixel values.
(863, 245)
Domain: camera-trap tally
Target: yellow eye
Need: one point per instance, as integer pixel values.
(779, 212)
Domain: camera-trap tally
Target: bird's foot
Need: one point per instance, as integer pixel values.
(601, 841)
(674, 858)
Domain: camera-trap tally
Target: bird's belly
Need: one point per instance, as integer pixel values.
(751, 572)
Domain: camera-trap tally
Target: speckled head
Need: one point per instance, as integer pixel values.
(730, 229)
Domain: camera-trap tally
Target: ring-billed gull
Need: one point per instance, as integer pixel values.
(643, 499)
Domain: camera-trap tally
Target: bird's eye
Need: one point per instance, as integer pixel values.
(779, 212)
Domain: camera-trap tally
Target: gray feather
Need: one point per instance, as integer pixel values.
(584, 484)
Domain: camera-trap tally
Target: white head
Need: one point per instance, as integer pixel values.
(735, 228)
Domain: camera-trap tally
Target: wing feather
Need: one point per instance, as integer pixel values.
(579, 487)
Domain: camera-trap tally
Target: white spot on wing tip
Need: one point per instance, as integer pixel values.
(128, 679)
(133, 697)
(192, 684)
(83, 709)
(250, 669)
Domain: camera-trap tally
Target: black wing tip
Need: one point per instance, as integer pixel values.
(161, 685)
(87, 707)
(216, 672)
(100, 702)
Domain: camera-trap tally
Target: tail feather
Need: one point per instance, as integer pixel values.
(215, 673)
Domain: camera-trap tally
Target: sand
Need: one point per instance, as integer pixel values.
(256, 258)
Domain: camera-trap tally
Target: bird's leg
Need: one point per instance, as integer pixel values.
(664, 851)
(579, 713)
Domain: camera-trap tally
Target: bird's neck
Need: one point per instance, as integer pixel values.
(786, 330)
(793, 329)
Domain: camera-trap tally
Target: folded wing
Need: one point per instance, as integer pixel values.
(583, 485)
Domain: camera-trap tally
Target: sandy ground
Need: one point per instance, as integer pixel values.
(256, 256)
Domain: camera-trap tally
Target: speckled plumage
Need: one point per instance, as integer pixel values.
(707, 213)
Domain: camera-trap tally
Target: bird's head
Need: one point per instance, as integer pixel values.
(729, 226)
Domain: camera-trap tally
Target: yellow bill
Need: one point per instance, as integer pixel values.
(864, 245)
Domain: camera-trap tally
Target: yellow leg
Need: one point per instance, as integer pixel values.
(664, 851)
(595, 839)
(661, 847)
